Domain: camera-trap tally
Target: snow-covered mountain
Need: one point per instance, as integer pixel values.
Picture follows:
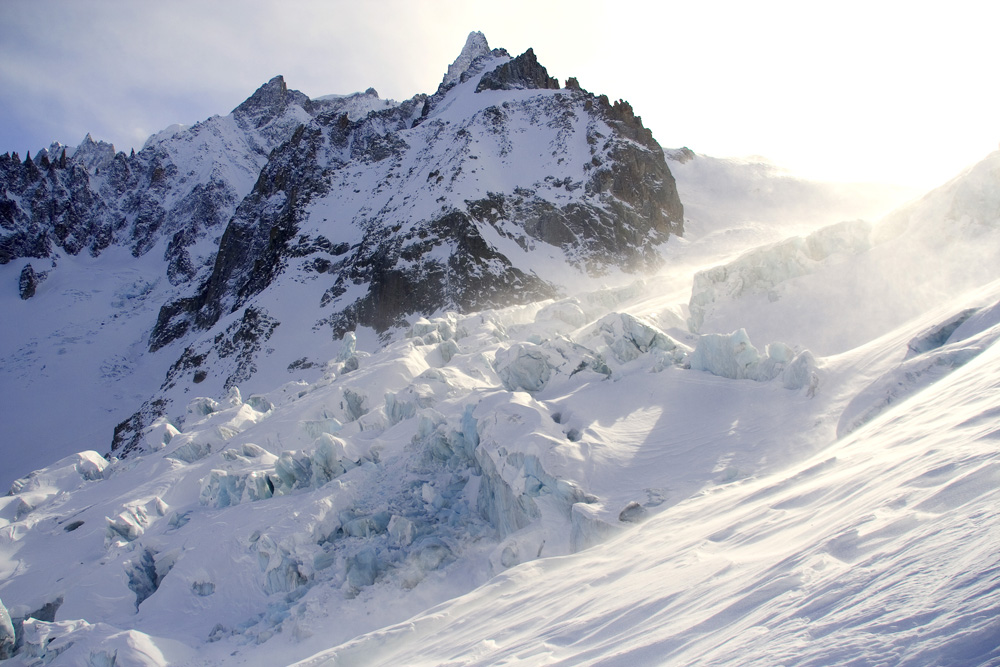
(291, 222)
(94, 243)
(776, 445)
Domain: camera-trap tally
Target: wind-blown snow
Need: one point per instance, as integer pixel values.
(881, 549)
(411, 479)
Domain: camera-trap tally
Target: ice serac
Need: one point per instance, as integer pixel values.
(6, 634)
(762, 269)
(734, 356)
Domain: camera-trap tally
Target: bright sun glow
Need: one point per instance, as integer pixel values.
(896, 92)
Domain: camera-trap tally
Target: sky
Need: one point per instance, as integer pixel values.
(896, 92)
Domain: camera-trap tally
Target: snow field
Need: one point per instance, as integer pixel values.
(405, 468)
(878, 549)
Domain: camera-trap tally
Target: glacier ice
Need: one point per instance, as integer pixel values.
(289, 472)
(330, 459)
(514, 486)
(931, 355)
(282, 571)
(587, 528)
(354, 404)
(6, 633)
(568, 311)
(202, 406)
(63, 475)
(435, 330)
(293, 470)
(734, 356)
(362, 569)
(129, 524)
(762, 269)
(78, 642)
(159, 434)
(938, 335)
(402, 530)
(203, 588)
(348, 346)
(222, 489)
(448, 350)
(190, 451)
(91, 465)
(145, 574)
(530, 366)
(523, 367)
(260, 403)
(405, 403)
(628, 337)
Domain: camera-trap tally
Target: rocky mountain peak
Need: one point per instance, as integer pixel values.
(475, 46)
(267, 103)
(94, 154)
(521, 72)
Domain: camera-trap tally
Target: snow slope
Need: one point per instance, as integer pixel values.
(879, 550)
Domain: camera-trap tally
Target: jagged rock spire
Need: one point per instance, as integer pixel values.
(521, 72)
(266, 102)
(475, 46)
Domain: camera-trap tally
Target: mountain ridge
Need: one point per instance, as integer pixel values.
(229, 203)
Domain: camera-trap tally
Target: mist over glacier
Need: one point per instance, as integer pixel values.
(763, 432)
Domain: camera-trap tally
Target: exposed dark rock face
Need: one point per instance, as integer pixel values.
(267, 103)
(127, 436)
(28, 282)
(42, 208)
(521, 72)
(259, 237)
(475, 47)
(474, 276)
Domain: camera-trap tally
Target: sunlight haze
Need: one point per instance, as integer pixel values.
(894, 92)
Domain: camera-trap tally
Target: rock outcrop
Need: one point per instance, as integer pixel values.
(28, 282)
(521, 72)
